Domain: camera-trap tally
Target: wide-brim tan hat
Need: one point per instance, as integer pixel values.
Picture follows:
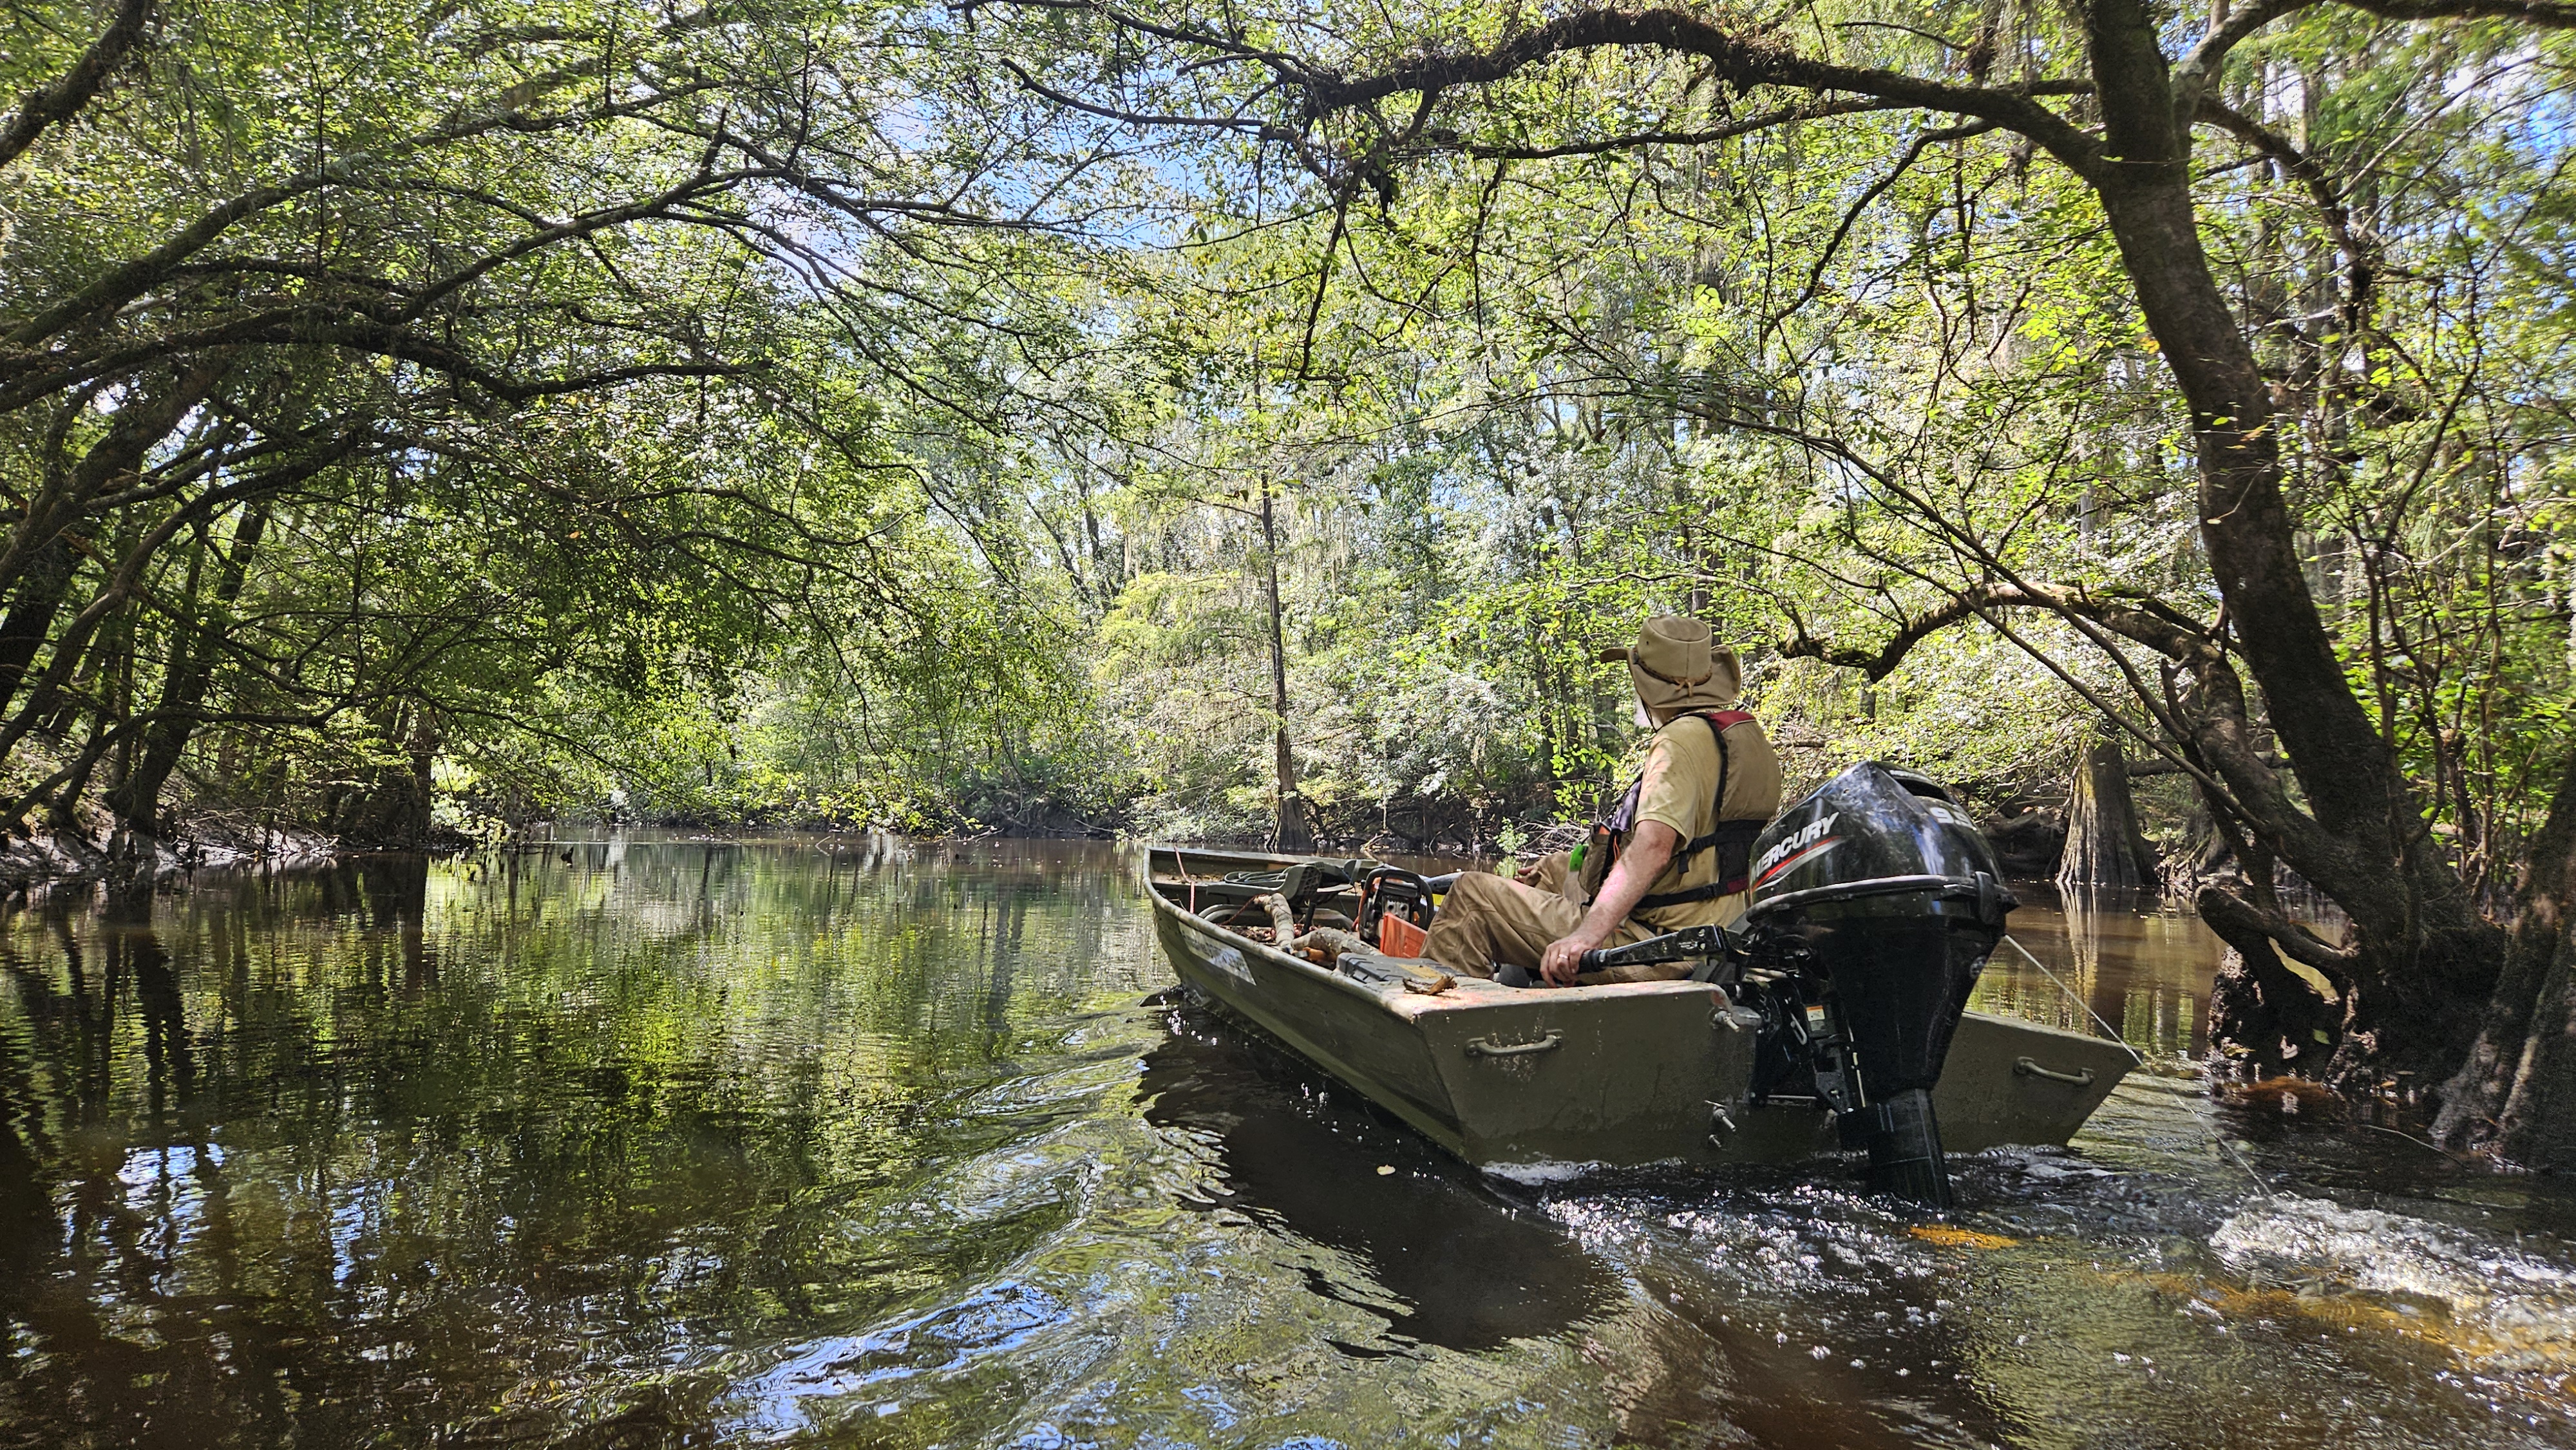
(1677, 665)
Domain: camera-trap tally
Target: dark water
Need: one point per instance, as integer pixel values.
(727, 1143)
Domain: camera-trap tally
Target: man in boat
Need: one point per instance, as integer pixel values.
(1675, 853)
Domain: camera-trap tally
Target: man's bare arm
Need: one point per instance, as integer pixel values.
(1649, 850)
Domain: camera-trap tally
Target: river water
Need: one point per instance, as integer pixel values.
(654, 1141)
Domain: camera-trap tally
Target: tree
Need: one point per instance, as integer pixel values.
(1359, 102)
(2104, 849)
(365, 367)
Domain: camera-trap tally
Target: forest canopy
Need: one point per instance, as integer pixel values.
(1237, 422)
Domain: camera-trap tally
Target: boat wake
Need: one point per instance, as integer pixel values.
(2501, 1311)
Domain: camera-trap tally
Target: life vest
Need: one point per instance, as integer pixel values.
(1732, 840)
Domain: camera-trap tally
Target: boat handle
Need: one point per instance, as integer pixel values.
(1487, 1047)
(2081, 1077)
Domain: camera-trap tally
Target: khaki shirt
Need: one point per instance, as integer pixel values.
(1679, 787)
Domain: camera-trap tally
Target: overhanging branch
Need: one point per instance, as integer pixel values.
(1743, 58)
(75, 88)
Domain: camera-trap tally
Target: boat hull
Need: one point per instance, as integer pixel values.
(1613, 1076)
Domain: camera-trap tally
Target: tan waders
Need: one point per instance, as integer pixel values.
(1486, 920)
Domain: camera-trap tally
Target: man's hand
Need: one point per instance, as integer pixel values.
(1649, 850)
(1547, 873)
(1565, 955)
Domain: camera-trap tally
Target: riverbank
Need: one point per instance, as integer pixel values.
(69, 855)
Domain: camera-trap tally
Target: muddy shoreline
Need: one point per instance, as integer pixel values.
(67, 856)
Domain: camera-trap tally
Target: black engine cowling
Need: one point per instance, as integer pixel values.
(1880, 899)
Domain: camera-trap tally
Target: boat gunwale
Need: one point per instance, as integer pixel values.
(1262, 950)
(1406, 1005)
(1409, 1005)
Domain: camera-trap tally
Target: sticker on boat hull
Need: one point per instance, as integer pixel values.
(1229, 961)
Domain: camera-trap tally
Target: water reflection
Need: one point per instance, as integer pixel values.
(591, 1096)
(2138, 965)
(639, 1140)
(1447, 1260)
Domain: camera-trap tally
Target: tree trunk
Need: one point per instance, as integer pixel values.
(2516, 1093)
(2102, 836)
(65, 495)
(2536, 1126)
(1290, 833)
(31, 615)
(2267, 1018)
(2421, 959)
(194, 639)
(389, 804)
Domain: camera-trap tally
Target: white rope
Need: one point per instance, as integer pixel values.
(2225, 1149)
(2108, 1030)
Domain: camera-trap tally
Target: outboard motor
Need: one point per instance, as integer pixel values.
(1875, 904)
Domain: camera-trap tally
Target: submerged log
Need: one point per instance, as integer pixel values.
(2286, 1098)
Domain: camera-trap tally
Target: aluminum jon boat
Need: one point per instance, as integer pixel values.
(1833, 1017)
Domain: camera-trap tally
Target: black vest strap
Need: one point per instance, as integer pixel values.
(1732, 840)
